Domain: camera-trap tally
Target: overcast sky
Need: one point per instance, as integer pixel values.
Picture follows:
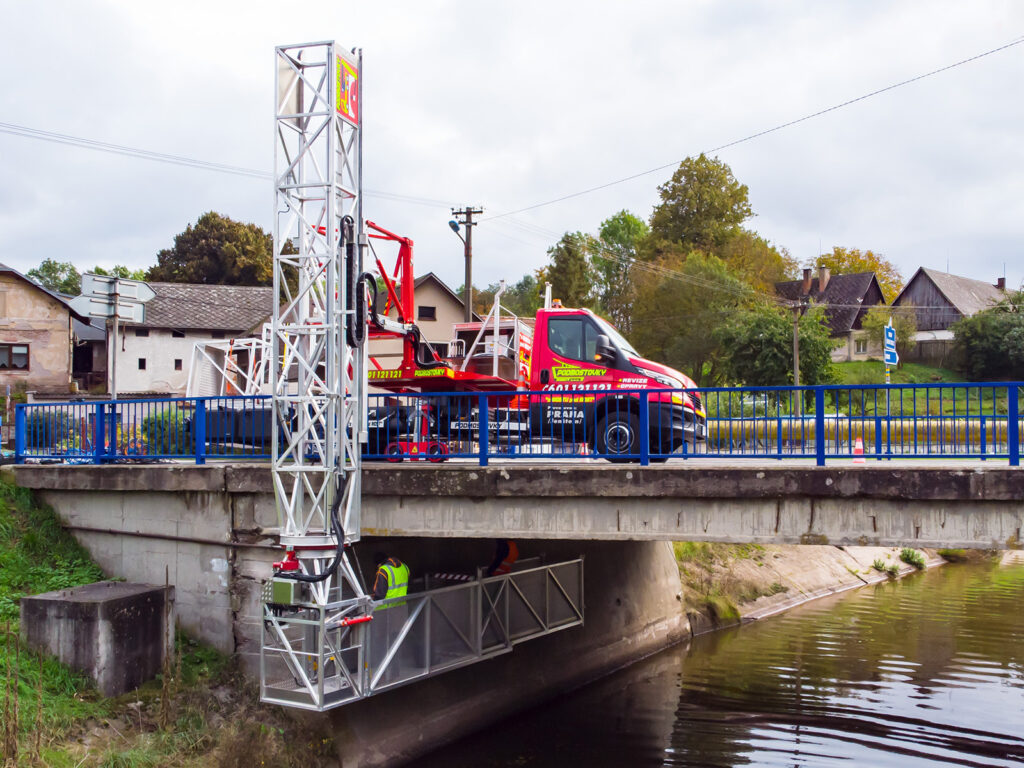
(504, 105)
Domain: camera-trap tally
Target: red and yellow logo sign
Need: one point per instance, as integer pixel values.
(347, 92)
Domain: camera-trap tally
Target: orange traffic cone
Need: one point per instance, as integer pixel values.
(858, 452)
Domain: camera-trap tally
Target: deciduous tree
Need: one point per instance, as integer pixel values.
(904, 322)
(848, 261)
(702, 205)
(60, 276)
(570, 271)
(757, 347)
(620, 236)
(990, 344)
(217, 251)
(679, 303)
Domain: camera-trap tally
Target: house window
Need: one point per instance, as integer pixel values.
(142, 363)
(425, 312)
(177, 363)
(14, 357)
(140, 332)
(177, 334)
(3, 305)
(860, 346)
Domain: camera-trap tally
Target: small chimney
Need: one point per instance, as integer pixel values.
(805, 289)
(823, 275)
(1001, 283)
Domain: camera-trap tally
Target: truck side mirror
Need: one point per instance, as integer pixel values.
(604, 349)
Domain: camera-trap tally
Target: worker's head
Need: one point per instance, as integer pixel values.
(379, 558)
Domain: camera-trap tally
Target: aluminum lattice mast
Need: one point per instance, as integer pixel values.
(318, 366)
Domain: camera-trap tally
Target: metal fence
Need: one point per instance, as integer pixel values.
(954, 421)
(102, 432)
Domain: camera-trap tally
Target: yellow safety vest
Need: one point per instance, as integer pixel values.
(398, 583)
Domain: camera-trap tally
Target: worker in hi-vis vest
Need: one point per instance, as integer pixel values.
(392, 579)
(506, 552)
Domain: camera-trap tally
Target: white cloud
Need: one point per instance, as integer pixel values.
(469, 103)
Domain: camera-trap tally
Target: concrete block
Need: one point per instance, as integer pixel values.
(115, 632)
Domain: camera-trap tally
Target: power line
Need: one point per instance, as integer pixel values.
(187, 162)
(765, 132)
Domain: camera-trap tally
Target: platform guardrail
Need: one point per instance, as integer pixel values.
(954, 421)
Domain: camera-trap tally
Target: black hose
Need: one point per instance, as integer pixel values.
(367, 280)
(339, 534)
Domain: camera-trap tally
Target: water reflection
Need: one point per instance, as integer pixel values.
(925, 671)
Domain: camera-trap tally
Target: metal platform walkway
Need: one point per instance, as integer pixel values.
(410, 638)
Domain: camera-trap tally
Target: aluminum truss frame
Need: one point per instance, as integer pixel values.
(422, 634)
(317, 384)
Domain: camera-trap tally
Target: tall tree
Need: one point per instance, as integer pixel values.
(59, 276)
(757, 261)
(217, 251)
(702, 205)
(569, 270)
(680, 300)
(620, 236)
(847, 261)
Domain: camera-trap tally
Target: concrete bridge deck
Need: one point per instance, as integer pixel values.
(891, 503)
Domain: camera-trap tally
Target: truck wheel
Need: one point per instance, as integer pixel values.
(617, 435)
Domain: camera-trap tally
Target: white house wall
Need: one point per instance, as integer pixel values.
(160, 350)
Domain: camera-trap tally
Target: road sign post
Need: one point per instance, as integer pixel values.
(891, 358)
(115, 299)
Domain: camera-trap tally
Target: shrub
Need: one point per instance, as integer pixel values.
(912, 557)
(879, 564)
(164, 432)
(953, 555)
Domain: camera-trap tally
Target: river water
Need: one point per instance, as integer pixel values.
(928, 670)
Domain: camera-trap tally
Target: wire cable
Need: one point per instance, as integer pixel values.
(764, 132)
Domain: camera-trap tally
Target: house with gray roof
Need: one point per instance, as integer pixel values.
(940, 299)
(846, 299)
(153, 357)
(36, 336)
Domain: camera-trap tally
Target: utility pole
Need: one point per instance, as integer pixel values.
(466, 221)
(798, 310)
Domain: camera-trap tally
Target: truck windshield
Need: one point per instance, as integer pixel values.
(616, 338)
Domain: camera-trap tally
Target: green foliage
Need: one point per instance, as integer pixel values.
(217, 251)
(953, 555)
(523, 298)
(674, 318)
(849, 261)
(620, 237)
(756, 261)
(121, 271)
(904, 322)
(60, 276)
(878, 564)
(990, 344)
(702, 205)
(164, 432)
(758, 347)
(570, 273)
(912, 557)
(893, 570)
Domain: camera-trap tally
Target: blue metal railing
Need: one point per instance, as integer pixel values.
(108, 431)
(953, 421)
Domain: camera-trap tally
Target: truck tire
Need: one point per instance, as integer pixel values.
(617, 434)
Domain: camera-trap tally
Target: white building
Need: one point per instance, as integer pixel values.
(153, 357)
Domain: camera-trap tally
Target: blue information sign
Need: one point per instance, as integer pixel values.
(891, 358)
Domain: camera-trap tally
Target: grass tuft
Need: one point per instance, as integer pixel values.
(912, 557)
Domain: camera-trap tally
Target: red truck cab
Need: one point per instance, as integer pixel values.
(588, 363)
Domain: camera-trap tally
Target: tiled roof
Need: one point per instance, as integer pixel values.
(210, 307)
(844, 297)
(968, 295)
